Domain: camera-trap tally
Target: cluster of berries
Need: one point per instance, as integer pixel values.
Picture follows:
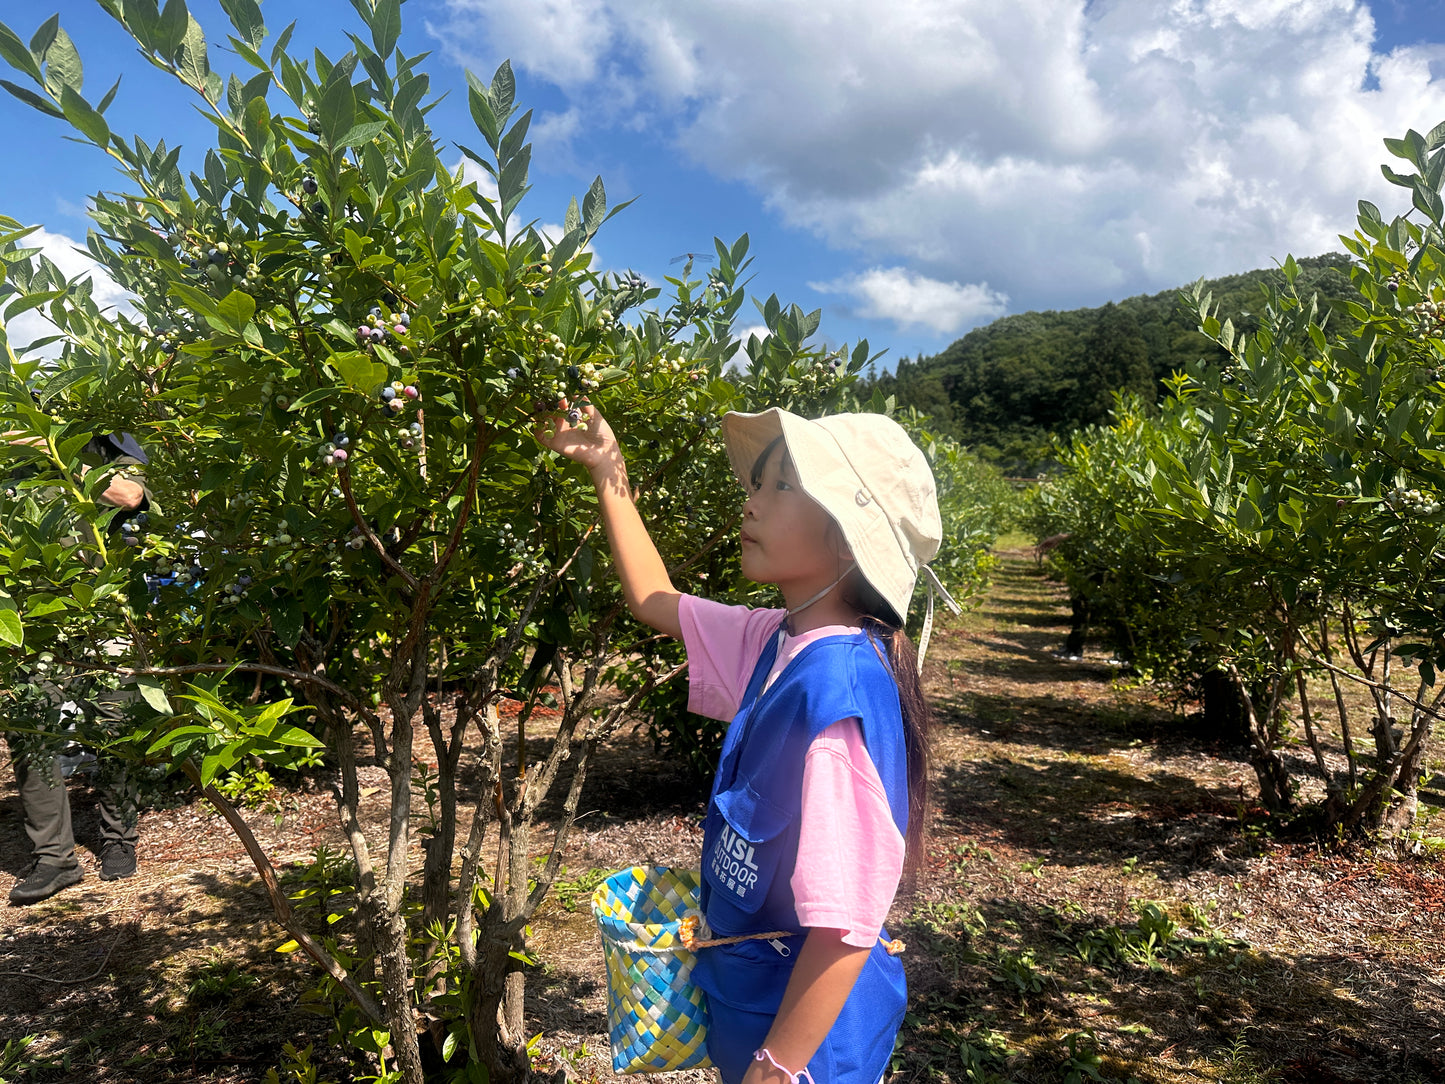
(1431, 315)
(378, 327)
(282, 539)
(235, 591)
(357, 539)
(396, 395)
(269, 396)
(520, 549)
(334, 452)
(178, 572)
(131, 529)
(1393, 282)
(408, 437)
(1405, 500)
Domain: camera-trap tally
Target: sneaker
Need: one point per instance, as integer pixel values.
(44, 881)
(117, 861)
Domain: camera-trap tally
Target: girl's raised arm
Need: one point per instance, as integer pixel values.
(645, 583)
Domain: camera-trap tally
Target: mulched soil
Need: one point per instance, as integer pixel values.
(1065, 802)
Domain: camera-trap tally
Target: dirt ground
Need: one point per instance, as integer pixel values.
(1102, 900)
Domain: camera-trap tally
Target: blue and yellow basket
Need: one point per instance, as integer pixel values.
(656, 1018)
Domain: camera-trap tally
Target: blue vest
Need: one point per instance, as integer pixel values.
(750, 845)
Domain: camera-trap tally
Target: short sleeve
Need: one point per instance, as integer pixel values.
(850, 852)
(723, 644)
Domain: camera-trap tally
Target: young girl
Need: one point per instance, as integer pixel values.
(820, 793)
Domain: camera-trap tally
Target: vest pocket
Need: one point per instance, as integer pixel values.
(745, 851)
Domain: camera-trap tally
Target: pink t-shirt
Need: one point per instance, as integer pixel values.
(850, 853)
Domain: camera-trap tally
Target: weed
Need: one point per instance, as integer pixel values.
(1017, 969)
(569, 892)
(217, 980)
(17, 1061)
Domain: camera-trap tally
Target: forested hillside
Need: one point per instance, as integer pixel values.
(1008, 388)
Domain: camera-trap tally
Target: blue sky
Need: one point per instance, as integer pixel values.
(914, 169)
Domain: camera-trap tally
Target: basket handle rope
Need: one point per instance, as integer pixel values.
(694, 934)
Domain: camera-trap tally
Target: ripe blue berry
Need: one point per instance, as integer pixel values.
(308, 185)
(388, 393)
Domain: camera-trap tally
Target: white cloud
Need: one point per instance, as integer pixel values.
(910, 299)
(1060, 150)
(32, 325)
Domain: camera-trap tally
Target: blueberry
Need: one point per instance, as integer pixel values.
(308, 185)
(405, 319)
(244, 581)
(574, 416)
(215, 256)
(318, 208)
(375, 310)
(342, 440)
(388, 393)
(573, 373)
(410, 391)
(340, 455)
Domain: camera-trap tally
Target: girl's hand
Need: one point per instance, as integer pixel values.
(594, 447)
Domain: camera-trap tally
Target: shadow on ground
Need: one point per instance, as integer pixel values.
(1197, 998)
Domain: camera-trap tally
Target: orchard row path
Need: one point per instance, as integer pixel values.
(1102, 899)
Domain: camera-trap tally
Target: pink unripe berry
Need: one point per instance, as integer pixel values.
(399, 329)
(363, 332)
(410, 391)
(339, 455)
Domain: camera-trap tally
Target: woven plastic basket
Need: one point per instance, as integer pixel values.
(656, 1018)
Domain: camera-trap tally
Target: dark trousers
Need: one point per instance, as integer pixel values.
(46, 802)
(47, 813)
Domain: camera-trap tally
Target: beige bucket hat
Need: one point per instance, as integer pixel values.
(866, 473)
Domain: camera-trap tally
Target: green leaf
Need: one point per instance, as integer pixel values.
(359, 371)
(1247, 516)
(154, 694)
(363, 133)
(12, 631)
(236, 309)
(85, 119)
(503, 91)
(1368, 211)
(1399, 419)
(1397, 178)
(386, 26)
(245, 16)
(30, 98)
(513, 140)
(16, 55)
(483, 116)
(594, 207)
(171, 28)
(194, 65)
(257, 123)
(337, 111)
(43, 38)
(62, 65)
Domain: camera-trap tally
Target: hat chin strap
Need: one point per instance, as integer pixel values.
(931, 582)
(819, 596)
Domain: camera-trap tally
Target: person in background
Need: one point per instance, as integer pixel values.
(38, 771)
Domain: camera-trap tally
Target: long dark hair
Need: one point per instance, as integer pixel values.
(880, 622)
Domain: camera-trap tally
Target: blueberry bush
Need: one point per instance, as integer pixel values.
(336, 352)
(1282, 515)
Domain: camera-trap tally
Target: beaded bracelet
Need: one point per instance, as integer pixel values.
(764, 1054)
